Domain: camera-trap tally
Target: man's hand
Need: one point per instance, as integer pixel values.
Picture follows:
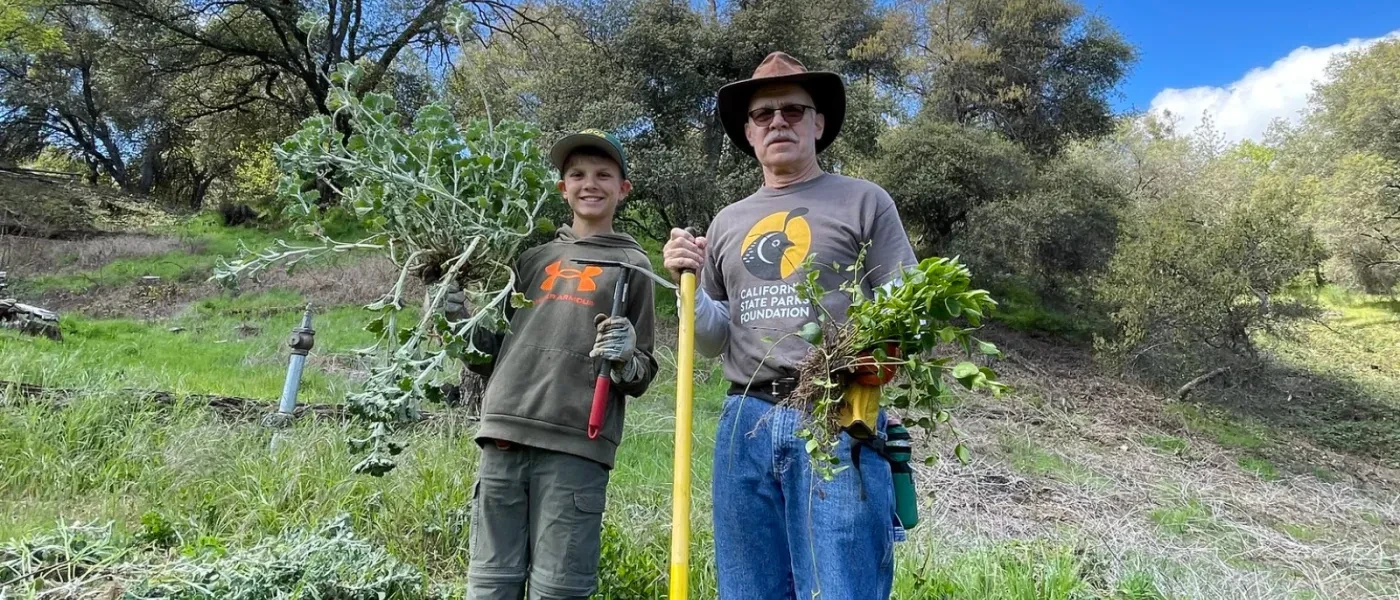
(617, 340)
(684, 252)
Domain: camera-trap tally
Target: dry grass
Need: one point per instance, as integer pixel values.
(1064, 458)
(357, 280)
(27, 255)
(46, 207)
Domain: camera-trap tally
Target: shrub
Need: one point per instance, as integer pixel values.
(1203, 267)
(1054, 236)
(940, 173)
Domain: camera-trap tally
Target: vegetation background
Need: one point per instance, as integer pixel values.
(1203, 337)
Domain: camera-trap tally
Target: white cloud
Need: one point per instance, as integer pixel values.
(1244, 109)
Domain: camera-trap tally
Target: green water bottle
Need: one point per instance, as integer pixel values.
(906, 499)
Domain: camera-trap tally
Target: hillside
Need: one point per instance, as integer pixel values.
(1082, 485)
(46, 206)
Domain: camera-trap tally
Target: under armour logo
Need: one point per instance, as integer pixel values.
(584, 276)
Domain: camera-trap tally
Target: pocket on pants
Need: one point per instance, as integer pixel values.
(474, 520)
(585, 541)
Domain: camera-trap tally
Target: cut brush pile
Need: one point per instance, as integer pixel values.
(889, 341)
(446, 204)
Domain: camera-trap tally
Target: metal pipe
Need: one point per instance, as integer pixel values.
(302, 340)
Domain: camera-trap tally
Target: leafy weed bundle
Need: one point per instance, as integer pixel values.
(894, 332)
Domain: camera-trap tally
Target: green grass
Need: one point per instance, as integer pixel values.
(209, 240)
(108, 457)
(1028, 458)
(1017, 570)
(665, 299)
(1327, 475)
(1230, 432)
(1302, 533)
(1357, 407)
(1185, 518)
(222, 349)
(1261, 467)
(1021, 309)
(1166, 443)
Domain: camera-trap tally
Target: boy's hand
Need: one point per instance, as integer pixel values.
(684, 252)
(617, 340)
(454, 304)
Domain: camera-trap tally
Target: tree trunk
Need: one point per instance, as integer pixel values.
(151, 168)
(201, 189)
(468, 394)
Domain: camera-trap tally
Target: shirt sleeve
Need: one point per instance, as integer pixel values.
(890, 252)
(711, 324)
(712, 278)
(711, 307)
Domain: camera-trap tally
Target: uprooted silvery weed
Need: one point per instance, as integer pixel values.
(446, 203)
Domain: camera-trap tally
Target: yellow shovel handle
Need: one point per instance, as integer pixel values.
(680, 500)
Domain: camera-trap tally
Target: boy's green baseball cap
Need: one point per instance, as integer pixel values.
(595, 138)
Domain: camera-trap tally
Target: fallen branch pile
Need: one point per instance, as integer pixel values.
(230, 408)
(27, 319)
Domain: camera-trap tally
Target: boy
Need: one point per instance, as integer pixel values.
(537, 506)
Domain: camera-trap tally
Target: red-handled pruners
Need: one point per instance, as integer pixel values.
(604, 384)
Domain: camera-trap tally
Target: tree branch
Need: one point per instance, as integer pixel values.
(432, 12)
(1186, 390)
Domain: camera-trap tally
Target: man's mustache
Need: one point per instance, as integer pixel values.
(780, 136)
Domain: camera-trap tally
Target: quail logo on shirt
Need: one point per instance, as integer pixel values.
(777, 244)
(774, 249)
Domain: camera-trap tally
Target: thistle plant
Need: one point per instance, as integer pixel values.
(445, 203)
(898, 329)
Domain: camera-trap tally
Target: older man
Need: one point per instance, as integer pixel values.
(780, 531)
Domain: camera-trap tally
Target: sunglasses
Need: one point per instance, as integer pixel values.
(792, 113)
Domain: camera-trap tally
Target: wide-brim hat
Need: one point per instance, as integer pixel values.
(827, 90)
(591, 138)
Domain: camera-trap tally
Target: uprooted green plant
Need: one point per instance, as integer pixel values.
(892, 333)
(446, 203)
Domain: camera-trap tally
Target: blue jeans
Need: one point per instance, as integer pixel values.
(781, 532)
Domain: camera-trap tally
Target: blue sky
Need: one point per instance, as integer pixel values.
(1205, 47)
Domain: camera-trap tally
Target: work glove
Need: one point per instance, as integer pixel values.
(617, 343)
(869, 371)
(454, 303)
(617, 340)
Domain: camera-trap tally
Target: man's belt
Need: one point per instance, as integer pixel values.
(773, 391)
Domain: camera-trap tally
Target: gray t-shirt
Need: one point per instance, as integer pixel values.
(756, 249)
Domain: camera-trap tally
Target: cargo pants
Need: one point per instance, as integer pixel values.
(537, 518)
